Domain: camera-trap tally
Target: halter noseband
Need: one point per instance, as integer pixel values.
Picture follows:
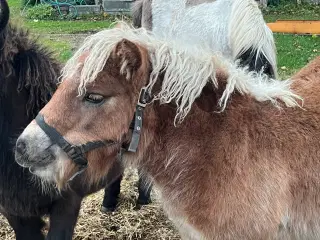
(77, 152)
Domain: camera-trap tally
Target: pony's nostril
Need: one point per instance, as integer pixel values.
(21, 147)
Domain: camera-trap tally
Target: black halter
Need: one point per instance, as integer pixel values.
(77, 152)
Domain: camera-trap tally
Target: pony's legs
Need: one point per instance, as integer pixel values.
(144, 191)
(63, 217)
(26, 228)
(111, 194)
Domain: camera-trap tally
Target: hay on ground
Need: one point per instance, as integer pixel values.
(149, 223)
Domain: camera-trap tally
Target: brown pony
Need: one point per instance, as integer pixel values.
(232, 152)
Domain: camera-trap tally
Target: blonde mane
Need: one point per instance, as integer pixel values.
(186, 70)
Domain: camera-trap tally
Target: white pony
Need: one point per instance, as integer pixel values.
(234, 28)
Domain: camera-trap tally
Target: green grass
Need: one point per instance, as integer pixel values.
(14, 4)
(292, 12)
(66, 26)
(62, 50)
(295, 51)
(93, 24)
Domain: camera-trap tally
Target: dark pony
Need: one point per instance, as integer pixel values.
(28, 76)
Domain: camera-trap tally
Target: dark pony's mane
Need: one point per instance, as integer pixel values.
(28, 78)
(21, 58)
(25, 60)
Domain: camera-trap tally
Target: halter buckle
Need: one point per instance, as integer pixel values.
(144, 98)
(76, 153)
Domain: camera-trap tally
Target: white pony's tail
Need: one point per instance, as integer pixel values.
(247, 29)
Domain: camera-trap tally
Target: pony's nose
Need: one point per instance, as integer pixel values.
(20, 147)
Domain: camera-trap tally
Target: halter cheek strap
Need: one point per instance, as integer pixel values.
(144, 99)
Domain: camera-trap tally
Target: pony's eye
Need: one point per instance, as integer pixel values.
(94, 98)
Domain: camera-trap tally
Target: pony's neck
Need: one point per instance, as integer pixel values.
(162, 142)
(159, 118)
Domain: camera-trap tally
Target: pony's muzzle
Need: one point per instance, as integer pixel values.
(21, 147)
(33, 148)
(20, 152)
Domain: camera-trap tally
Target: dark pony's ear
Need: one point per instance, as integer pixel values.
(128, 55)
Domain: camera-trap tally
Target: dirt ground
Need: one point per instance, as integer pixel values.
(148, 223)
(74, 39)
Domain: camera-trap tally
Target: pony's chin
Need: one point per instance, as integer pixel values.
(46, 173)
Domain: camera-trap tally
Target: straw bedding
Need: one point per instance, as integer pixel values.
(149, 223)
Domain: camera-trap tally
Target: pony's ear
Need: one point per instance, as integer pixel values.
(129, 57)
(207, 101)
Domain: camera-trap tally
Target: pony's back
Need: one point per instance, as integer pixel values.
(311, 71)
(235, 29)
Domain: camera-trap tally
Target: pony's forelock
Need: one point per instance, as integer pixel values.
(99, 46)
(186, 70)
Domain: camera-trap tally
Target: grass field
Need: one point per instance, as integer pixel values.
(292, 11)
(58, 26)
(62, 47)
(293, 51)
(62, 50)
(62, 37)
